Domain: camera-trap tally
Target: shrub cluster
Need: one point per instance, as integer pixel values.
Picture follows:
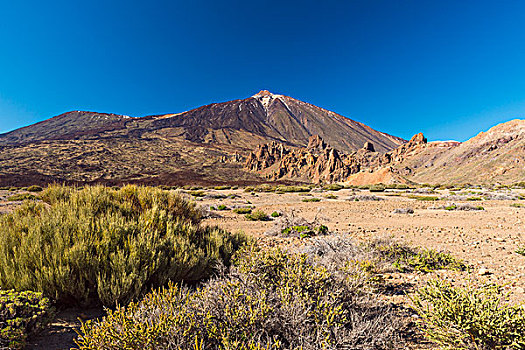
(269, 300)
(257, 215)
(466, 318)
(98, 245)
(406, 259)
(21, 313)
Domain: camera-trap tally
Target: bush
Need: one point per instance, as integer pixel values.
(22, 197)
(517, 205)
(222, 188)
(521, 251)
(242, 210)
(275, 214)
(34, 188)
(222, 207)
(269, 300)
(21, 313)
(333, 187)
(286, 189)
(100, 246)
(424, 198)
(407, 259)
(304, 231)
(469, 318)
(377, 188)
(257, 215)
(330, 196)
(311, 199)
(197, 193)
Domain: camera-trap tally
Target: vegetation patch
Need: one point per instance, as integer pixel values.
(406, 259)
(276, 214)
(22, 197)
(257, 215)
(96, 245)
(314, 199)
(268, 300)
(222, 188)
(242, 210)
(21, 313)
(517, 205)
(35, 188)
(466, 318)
(333, 187)
(423, 198)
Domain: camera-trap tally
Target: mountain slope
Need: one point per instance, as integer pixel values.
(205, 145)
(245, 123)
(497, 155)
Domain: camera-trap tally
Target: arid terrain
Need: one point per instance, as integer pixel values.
(486, 239)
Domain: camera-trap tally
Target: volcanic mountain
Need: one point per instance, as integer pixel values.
(206, 144)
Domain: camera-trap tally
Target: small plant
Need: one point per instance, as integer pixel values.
(197, 193)
(222, 207)
(521, 251)
(242, 210)
(35, 188)
(286, 189)
(377, 188)
(405, 259)
(423, 198)
(474, 199)
(257, 215)
(517, 205)
(22, 197)
(275, 214)
(21, 313)
(333, 187)
(314, 199)
(304, 231)
(330, 196)
(469, 318)
(451, 207)
(222, 188)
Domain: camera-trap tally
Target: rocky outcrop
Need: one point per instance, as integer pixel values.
(317, 162)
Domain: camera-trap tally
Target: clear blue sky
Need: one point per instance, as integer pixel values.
(446, 68)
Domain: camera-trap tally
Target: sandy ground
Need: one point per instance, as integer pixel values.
(486, 239)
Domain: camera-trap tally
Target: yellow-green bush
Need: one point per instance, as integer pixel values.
(268, 300)
(20, 314)
(465, 318)
(99, 245)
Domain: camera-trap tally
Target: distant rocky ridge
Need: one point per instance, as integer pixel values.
(495, 156)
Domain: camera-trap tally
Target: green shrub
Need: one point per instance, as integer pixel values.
(423, 198)
(269, 300)
(407, 259)
(275, 214)
(21, 313)
(242, 210)
(22, 197)
(257, 215)
(97, 245)
(198, 193)
(521, 251)
(333, 187)
(330, 196)
(377, 188)
(35, 188)
(517, 205)
(222, 207)
(222, 188)
(286, 189)
(314, 199)
(451, 207)
(305, 231)
(469, 318)
(474, 198)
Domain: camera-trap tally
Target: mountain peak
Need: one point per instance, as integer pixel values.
(263, 93)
